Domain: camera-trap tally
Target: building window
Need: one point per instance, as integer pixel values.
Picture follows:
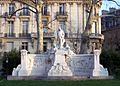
(25, 12)
(25, 45)
(10, 27)
(107, 24)
(62, 9)
(11, 8)
(96, 27)
(0, 45)
(45, 30)
(44, 46)
(10, 46)
(25, 25)
(62, 25)
(0, 9)
(44, 10)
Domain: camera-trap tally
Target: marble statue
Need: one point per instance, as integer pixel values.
(16, 70)
(61, 35)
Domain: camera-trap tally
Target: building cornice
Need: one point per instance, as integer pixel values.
(51, 1)
(56, 1)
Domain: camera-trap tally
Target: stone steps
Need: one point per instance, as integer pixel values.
(56, 77)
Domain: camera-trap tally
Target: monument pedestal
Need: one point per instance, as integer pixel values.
(98, 70)
(60, 67)
(23, 72)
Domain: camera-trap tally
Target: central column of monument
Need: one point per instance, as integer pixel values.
(60, 67)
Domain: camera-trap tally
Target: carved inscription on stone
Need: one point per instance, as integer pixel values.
(82, 65)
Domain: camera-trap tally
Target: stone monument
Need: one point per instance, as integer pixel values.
(60, 61)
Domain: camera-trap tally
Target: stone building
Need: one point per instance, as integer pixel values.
(111, 28)
(20, 30)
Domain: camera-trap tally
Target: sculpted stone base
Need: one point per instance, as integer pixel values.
(63, 62)
(23, 72)
(100, 71)
(60, 67)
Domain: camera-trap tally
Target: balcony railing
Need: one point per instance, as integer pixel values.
(25, 13)
(96, 36)
(72, 35)
(52, 35)
(11, 13)
(9, 35)
(47, 35)
(25, 35)
(45, 13)
(62, 16)
(1, 34)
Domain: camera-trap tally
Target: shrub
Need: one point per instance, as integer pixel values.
(111, 60)
(10, 60)
(117, 73)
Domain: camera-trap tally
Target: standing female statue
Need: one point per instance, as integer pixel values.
(61, 35)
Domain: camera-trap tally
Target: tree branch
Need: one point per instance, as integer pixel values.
(51, 21)
(115, 2)
(21, 9)
(34, 1)
(26, 3)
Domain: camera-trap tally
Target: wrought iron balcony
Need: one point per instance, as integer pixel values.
(24, 35)
(34, 35)
(48, 35)
(52, 35)
(96, 36)
(72, 35)
(62, 16)
(45, 13)
(11, 13)
(9, 35)
(27, 13)
(1, 35)
(45, 35)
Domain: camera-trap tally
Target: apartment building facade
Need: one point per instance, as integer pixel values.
(111, 28)
(20, 31)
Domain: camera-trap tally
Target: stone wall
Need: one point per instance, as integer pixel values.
(82, 65)
(40, 64)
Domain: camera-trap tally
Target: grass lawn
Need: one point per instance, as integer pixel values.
(60, 83)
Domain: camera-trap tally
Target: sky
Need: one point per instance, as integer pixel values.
(107, 4)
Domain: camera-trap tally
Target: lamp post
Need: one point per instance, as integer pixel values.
(7, 70)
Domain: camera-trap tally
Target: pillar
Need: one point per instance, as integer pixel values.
(24, 69)
(96, 69)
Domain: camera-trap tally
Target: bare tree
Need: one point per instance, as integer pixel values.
(85, 35)
(36, 5)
